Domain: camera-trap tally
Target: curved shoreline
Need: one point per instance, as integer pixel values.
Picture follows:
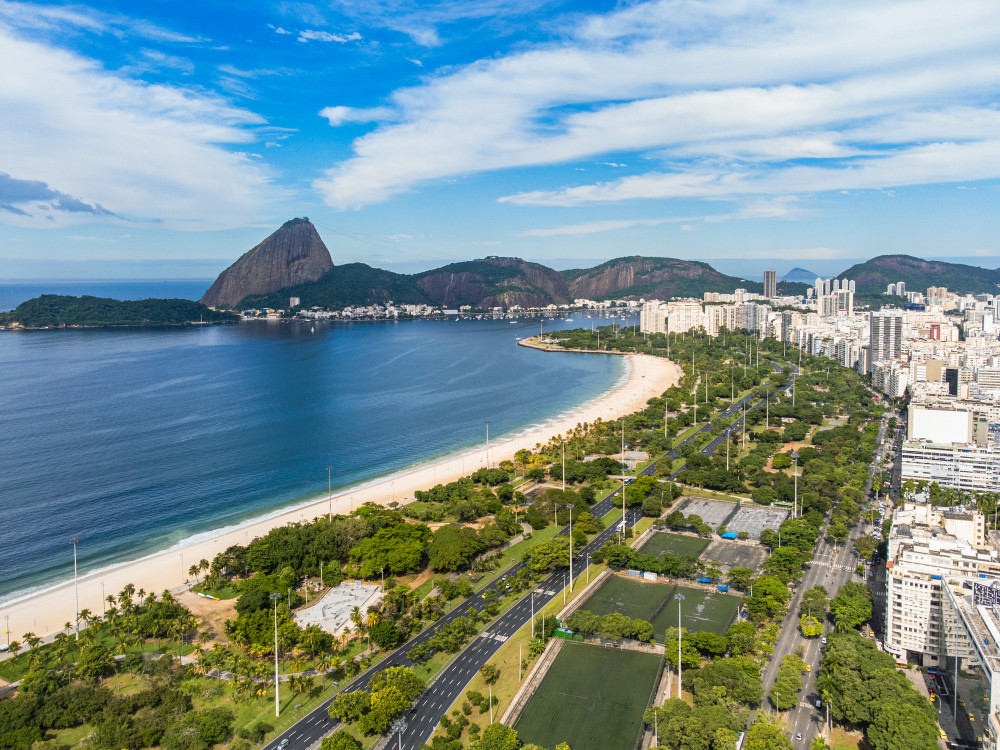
(44, 611)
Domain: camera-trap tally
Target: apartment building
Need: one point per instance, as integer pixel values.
(963, 466)
(927, 546)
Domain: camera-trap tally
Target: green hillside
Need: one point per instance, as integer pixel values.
(873, 276)
(64, 310)
(347, 285)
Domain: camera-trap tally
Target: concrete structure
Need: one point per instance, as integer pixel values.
(770, 284)
(962, 466)
(928, 546)
(886, 336)
(939, 425)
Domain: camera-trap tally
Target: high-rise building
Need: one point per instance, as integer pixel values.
(770, 284)
(886, 334)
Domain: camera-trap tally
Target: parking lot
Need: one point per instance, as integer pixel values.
(712, 512)
(728, 555)
(753, 519)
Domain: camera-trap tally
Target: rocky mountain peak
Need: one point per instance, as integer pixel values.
(294, 254)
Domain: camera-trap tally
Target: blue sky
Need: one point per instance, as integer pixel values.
(165, 139)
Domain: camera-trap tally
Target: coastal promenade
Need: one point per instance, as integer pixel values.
(45, 612)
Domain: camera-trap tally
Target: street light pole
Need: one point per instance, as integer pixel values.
(679, 598)
(570, 506)
(795, 504)
(487, 443)
(564, 465)
(274, 598)
(76, 588)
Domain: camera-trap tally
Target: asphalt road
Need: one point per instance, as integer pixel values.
(831, 567)
(452, 681)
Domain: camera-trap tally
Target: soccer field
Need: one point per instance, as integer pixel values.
(675, 544)
(629, 596)
(700, 610)
(591, 698)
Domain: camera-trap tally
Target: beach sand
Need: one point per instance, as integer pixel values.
(45, 612)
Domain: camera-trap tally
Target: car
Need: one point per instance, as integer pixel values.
(809, 668)
(823, 641)
(933, 698)
(283, 743)
(798, 735)
(971, 717)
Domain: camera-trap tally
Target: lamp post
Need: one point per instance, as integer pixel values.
(487, 443)
(329, 490)
(76, 587)
(104, 603)
(274, 598)
(563, 465)
(795, 504)
(679, 598)
(399, 726)
(570, 506)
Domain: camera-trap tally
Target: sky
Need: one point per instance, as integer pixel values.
(164, 139)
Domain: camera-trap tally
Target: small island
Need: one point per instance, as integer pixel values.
(64, 311)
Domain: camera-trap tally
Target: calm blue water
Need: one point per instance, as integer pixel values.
(14, 292)
(133, 440)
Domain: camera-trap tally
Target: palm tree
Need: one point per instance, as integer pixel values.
(193, 572)
(15, 649)
(32, 640)
(356, 616)
(83, 616)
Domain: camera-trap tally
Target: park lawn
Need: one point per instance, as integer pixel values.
(513, 554)
(592, 698)
(424, 589)
(844, 740)
(631, 597)
(70, 737)
(506, 658)
(675, 544)
(702, 610)
(225, 591)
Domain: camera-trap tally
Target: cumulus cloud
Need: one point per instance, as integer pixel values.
(105, 143)
(339, 115)
(719, 100)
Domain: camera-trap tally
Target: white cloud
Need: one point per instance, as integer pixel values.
(46, 17)
(312, 35)
(734, 99)
(138, 151)
(339, 115)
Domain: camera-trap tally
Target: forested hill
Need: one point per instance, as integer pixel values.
(54, 310)
(873, 276)
(659, 278)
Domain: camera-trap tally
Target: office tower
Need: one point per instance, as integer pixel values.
(770, 284)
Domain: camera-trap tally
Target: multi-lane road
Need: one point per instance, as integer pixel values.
(831, 567)
(453, 679)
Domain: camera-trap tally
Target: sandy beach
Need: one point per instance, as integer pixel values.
(46, 612)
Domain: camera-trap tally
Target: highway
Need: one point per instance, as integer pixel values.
(451, 682)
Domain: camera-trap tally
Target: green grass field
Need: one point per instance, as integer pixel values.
(629, 596)
(701, 610)
(675, 544)
(591, 698)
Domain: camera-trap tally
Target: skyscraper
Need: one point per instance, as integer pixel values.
(886, 334)
(770, 284)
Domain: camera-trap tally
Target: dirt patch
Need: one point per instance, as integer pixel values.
(213, 614)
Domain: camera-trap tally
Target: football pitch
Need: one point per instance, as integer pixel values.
(629, 596)
(591, 698)
(675, 544)
(700, 610)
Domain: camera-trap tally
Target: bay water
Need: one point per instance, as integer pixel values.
(134, 440)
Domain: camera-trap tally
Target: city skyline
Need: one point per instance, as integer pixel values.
(165, 142)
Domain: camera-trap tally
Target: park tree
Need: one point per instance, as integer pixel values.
(865, 546)
(785, 692)
(810, 626)
(549, 555)
(902, 726)
(814, 602)
(490, 673)
(766, 733)
(340, 740)
(498, 737)
(453, 548)
(852, 606)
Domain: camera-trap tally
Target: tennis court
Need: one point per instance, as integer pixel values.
(675, 544)
(631, 597)
(592, 698)
(700, 610)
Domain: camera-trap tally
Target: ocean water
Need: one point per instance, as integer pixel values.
(133, 440)
(14, 292)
